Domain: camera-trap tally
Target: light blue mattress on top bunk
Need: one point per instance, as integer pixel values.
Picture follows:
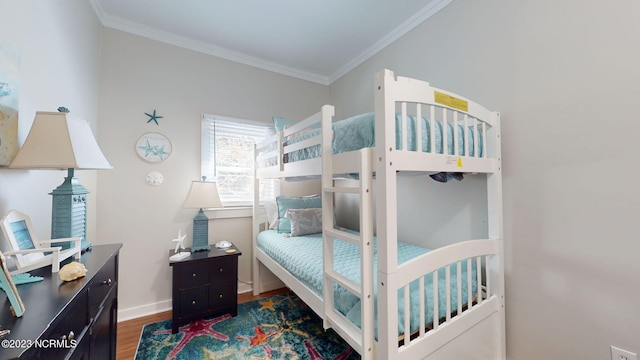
(358, 132)
(302, 257)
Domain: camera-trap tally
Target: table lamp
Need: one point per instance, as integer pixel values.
(202, 195)
(63, 141)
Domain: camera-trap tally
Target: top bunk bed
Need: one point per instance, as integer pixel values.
(465, 136)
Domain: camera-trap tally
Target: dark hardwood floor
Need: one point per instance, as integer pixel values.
(129, 331)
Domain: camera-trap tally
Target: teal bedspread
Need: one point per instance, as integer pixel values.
(358, 132)
(302, 257)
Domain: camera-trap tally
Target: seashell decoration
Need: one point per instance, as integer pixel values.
(72, 271)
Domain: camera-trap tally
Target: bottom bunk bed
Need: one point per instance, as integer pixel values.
(301, 256)
(453, 286)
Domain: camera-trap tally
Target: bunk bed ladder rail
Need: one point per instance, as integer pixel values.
(361, 339)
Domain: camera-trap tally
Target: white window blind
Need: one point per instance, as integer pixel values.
(227, 157)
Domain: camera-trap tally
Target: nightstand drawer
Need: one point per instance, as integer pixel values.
(222, 295)
(193, 301)
(224, 269)
(204, 285)
(194, 274)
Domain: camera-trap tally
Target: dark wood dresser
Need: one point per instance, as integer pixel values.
(205, 284)
(66, 320)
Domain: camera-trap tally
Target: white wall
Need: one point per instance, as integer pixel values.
(139, 75)
(460, 211)
(564, 76)
(58, 46)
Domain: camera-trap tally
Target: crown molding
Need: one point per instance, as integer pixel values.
(152, 33)
(417, 19)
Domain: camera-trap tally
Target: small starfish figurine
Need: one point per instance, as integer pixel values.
(180, 240)
(153, 117)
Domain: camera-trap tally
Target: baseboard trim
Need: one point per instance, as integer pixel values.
(271, 285)
(144, 310)
(166, 305)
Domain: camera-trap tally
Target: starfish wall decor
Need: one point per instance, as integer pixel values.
(153, 117)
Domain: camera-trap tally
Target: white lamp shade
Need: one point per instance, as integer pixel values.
(59, 140)
(203, 195)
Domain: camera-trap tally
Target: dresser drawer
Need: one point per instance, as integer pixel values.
(69, 325)
(193, 274)
(100, 285)
(222, 295)
(193, 301)
(83, 343)
(224, 269)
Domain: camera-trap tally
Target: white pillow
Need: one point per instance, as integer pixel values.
(305, 221)
(272, 213)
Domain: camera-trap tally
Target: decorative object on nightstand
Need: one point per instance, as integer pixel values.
(202, 195)
(205, 285)
(153, 147)
(28, 251)
(63, 141)
(223, 244)
(179, 245)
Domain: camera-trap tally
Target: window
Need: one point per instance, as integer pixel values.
(227, 157)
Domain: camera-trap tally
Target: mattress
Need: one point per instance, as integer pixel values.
(302, 257)
(358, 132)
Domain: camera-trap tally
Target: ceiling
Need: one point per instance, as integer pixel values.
(317, 41)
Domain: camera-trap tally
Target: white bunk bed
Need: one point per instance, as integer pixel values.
(464, 324)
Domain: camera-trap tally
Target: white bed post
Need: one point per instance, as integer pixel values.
(366, 250)
(327, 209)
(495, 220)
(386, 213)
(256, 225)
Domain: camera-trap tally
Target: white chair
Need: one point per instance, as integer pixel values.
(31, 253)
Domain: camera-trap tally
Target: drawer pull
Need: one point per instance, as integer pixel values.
(68, 337)
(221, 270)
(107, 282)
(193, 275)
(193, 302)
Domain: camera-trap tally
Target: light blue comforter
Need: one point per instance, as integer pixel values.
(358, 132)
(302, 257)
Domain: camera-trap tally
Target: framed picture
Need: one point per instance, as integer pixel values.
(6, 283)
(9, 94)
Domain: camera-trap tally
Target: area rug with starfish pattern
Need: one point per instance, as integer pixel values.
(278, 327)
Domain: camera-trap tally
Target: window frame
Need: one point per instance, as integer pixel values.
(206, 153)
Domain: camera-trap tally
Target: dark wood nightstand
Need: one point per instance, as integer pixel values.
(205, 284)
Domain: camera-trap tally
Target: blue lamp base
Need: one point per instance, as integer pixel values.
(200, 232)
(69, 212)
